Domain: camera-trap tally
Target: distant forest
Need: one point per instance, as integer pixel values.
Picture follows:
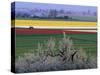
(23, 13)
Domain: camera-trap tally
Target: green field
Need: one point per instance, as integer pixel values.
(28, 43)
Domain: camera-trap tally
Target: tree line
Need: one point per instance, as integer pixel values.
(50, 14)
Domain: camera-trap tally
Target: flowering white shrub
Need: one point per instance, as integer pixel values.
(45, 59)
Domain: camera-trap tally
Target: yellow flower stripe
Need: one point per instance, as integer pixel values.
(54, 23)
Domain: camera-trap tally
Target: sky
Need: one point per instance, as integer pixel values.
(30, 5)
